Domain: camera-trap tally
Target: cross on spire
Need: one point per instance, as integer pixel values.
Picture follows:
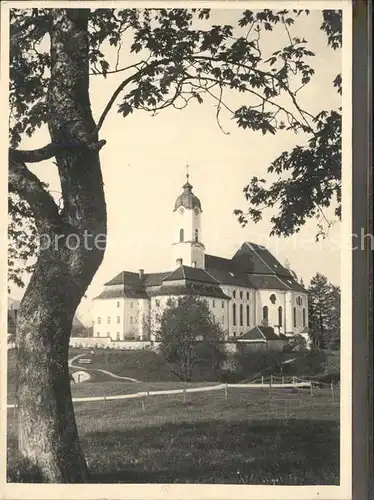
(187, 172)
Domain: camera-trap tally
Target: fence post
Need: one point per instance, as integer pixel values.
(226, 392)
(282, 379)
(262, 380)
(14, 410)
(332, 390)
(143, 405)
(184, 395)
(294, 380)
(271, 380)
(104, 403)
(311, 388)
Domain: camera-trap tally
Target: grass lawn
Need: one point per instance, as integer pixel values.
(142, 365)
(255, 437)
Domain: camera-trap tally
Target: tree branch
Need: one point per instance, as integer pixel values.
(31, 189)
(47, 152)
(125, 82)
(33, 156)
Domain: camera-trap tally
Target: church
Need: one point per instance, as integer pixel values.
(249, 295)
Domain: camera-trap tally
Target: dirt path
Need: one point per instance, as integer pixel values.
(110, 374)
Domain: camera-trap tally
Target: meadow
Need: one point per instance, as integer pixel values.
(255, 436)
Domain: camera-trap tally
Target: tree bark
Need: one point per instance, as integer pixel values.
(47, 429)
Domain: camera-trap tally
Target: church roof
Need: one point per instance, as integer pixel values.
(190, 274)
(187, 199)
(190, 288)
(128, 277)
(261, 333)
(229, 278)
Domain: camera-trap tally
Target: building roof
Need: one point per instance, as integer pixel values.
(261, 332)
(125, 277)
(155, 279)
(190, 288)
(252, 266)
(190, 274)
(187, 199)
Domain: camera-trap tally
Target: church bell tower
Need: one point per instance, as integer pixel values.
(188, 248)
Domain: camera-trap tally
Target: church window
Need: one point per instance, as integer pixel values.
(280, 316)
(299, 301)
(304, 317)
(234, 314)
(294, 317)
(117, 335)
(247, 295)
(214, 303)
(131, 320)
(109, 319)
(273, 298)
(234, 294)
(241, 295)
(157, 303)
(241, 314)
(196, 235)
(247, 315)
(117, 304)
(223, 304)
(265, 313)
(181, 235)
(99, 320)
(118, 319)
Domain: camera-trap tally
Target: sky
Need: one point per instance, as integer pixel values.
(144, 160)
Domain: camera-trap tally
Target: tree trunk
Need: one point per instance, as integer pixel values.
(47, 430)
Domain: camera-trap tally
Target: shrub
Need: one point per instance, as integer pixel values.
(252, 363)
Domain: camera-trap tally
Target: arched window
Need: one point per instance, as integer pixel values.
(234, 314)
(280, 316)
(241, 314)
(273, 298)
(304, 317)
(196, 235)
(241, 295)
(294, 317)
(265, 313)
(247, 315)
(234, 294)
(181, 235)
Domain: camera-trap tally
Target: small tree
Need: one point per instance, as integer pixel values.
(189, 338)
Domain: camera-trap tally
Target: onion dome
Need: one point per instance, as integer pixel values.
(187, 199)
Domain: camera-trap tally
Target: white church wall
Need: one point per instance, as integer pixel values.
(298, 303)
(239, 296)
(263, 299)
(187, 226)
(109, 316)
(131, 319)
